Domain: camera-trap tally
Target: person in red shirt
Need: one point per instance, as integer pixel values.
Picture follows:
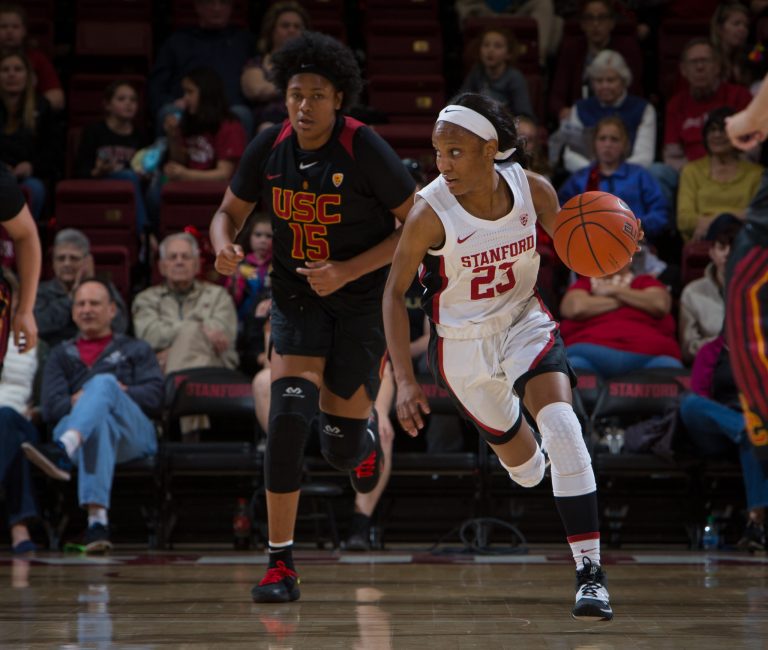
(205, 142)
(688, 109)
(619, 323)
(13, 34)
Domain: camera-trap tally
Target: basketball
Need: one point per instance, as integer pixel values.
(596, 234)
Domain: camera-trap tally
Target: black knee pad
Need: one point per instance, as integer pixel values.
(293, 404)
(345, 442)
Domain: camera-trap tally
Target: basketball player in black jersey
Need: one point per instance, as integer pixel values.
(18, 222)
(334, 189)
(747, 285)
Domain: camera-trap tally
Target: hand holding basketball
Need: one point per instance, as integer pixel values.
(596, 234)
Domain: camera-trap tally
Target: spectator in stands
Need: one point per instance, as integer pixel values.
(609, 77)
(528, 131)
(204, 144)
(702, 303)
(99, 391)
(187, 322)
(619, 323)
(611, 173)
(16, 384)
(284, 20)
(549, 24)
(688, 109)
(495, 74)
(729, 31)
(213, 42)
(107, 147)
(26, 129)
(570, 82)
(720, 181)
(72, 264)
(251, 290)
(714, 425)
(13, 36)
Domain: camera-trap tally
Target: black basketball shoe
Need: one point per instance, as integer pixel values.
(365, 476)
(592, 602)
(279, 585)
(753, 538)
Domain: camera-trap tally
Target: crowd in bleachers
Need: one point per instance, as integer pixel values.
(123, 123)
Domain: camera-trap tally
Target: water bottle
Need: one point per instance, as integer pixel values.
(241, 525)
(710, 540)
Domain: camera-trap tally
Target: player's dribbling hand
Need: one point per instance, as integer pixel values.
(24, 330)
(324, 277)
(228, 258)
(411, 406)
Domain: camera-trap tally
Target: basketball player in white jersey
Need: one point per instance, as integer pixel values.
(494, 346)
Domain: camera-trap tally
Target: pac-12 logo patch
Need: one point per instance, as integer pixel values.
(524, 218)
(337, 179)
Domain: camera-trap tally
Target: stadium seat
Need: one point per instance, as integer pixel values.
(673, 36)
(694, 260)
(113, 264)
(589, 388)
(114, 47)
(40, 33)
(401, 10)
(105, 210)
(407, 98)
(407, 48)
(115, 11)
(189, 204)
(410, 140)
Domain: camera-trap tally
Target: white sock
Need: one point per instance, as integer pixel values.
(71, 439)
(97, 515)
(582, 548)
(276, 547)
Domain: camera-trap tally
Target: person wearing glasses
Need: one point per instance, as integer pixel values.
(72, 263)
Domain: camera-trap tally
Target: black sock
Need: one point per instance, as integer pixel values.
(281, 554)
(360, 524)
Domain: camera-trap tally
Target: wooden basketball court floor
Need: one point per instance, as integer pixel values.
(405, 598)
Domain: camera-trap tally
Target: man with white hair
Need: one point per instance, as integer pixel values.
(72, 264)
(610, 77)
(187, 321)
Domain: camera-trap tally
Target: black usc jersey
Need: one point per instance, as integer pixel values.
(332, 203)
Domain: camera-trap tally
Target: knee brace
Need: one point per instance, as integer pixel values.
(345, 442)
(572, 473)
(530, 472)
(293, 404)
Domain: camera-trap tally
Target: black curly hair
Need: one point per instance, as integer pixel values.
(501, 118)
(319, 54)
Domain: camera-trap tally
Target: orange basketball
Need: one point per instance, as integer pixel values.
(596, 234)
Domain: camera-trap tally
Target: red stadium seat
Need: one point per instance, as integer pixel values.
(413, 47)
(86, 97)
(114, 11)
(40, 34)
(407, 98)
(673, 35)
(113, 264)
(189, 204)
(331, 27)
(113, 46)
(324, 10)
(103, 209)
(410, 140)
(524, 29)
(694, 261)
(401, 9)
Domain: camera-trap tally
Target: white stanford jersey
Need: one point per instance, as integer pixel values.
(479, 282)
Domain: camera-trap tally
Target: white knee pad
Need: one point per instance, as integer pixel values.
(572, 473)
(530, 472)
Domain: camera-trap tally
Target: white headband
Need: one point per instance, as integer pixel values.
(475, 123)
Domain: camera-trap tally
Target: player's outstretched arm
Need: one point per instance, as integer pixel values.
(225, 225)
(749, 127)
(545, 201)
(422, 231)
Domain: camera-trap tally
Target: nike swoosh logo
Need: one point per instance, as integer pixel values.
(271, 177)
(306, 165)
(451, 110)
(588, 550)
(461, 240)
